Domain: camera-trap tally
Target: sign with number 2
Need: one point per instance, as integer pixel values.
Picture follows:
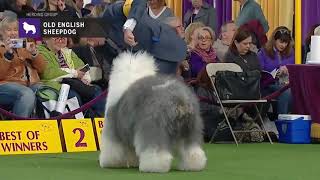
(78, 135)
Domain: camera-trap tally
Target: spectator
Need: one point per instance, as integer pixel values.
(190, 38)
(259, 37)
(57, 5)
(97, 54)
(239, 51)
(89, 6)
(64, 64)
(97, 10)
(191, 33)
(203, 53)
(35, 3)
(19, 68)
(222, 44)
(157, 9)
(201, 12)
(86, 11)
(274, 57)
(20, 7)
(77, 5)
(251, 10)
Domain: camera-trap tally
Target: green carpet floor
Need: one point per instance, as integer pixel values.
(225, 162)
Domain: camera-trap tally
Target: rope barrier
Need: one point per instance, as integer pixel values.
(62, 116)
(104, 94)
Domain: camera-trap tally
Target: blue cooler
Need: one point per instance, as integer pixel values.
(294, 129)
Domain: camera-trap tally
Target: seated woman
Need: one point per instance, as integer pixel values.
(190, 38)
(239, 51)
(203, 53)
(63, 65)
(274, 57)
(19, 68)
(191, 34)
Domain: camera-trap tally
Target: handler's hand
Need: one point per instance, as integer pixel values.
(129, 37)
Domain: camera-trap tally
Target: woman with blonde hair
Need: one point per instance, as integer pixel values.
(203, 53)
(190, 34)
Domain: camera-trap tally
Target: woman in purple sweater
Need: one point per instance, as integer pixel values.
(274, 57)
(203, 53)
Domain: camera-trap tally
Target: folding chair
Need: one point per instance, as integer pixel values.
(212, 69)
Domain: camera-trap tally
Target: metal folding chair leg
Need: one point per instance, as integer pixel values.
(262, 123)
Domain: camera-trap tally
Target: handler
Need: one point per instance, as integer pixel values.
(142, 32)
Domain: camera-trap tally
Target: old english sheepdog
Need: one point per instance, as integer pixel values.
(149, 118)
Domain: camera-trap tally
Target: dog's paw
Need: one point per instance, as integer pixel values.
(153, 162)
(193, 159)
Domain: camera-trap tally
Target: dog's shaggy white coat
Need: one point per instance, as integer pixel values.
(149, 118)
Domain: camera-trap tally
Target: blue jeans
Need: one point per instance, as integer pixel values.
(284, 101)
(21, 99)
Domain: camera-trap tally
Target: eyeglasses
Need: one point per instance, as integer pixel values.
(206, 38)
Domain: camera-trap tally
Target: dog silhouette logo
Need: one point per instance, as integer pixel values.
(29, 28)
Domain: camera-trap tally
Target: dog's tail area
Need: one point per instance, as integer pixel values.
(126, 70)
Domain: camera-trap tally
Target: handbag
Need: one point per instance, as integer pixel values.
(238, 85)
(86, 92)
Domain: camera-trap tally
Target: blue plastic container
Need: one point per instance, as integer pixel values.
(294, 129)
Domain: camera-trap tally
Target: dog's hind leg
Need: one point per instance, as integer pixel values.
(114, 154)
(191, 155)
(154, 156)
